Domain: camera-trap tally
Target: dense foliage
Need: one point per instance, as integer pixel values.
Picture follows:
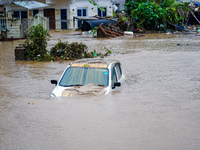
(74, 50)
(155, 14)
(67, 51)
(36, 42)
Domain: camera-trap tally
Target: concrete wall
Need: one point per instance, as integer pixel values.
(72, 5)
(121, 4)
(91, 9)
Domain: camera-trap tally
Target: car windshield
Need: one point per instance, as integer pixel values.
(75, 76)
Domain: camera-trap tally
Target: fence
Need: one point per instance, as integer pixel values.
(39, 19)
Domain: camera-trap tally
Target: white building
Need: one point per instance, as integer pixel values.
(60, 12)
(119, 4)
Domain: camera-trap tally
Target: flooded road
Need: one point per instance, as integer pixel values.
(157, 108)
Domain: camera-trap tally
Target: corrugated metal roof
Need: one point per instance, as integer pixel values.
(31, 4)
(5, 2)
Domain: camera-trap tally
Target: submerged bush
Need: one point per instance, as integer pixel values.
(71, 51)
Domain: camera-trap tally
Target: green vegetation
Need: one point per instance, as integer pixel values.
(75, 50)
(94, 30)
(36, 43)
(107, 51)
(72, 51)
(95, 4)
(155, 14)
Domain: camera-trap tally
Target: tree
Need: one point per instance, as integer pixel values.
(36, 42)
(155, 14)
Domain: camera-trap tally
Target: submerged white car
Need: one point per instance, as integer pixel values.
(89, 76)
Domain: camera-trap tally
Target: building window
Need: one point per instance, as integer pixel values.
(20, 14)
(81, 12)
(35, 11)
(16, 14)
(118, 6)
(102, 13)
(63, 16)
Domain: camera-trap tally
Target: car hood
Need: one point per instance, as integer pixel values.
(86, 90)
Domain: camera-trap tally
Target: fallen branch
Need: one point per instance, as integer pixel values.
(195, 17)
(176, 26)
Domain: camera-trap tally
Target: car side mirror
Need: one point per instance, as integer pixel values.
(116, 84)
(54, 82)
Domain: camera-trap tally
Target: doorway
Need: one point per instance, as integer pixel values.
(63, 16)
(50, 13)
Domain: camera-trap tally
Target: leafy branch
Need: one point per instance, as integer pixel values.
(95, 4)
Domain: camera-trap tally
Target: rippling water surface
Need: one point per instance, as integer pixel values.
(157, 108)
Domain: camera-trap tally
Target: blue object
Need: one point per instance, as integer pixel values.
(89, 25)
(180, 28)
(197, 4)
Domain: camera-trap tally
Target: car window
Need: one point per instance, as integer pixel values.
(118, 70)
(114, 77)
(84, 75)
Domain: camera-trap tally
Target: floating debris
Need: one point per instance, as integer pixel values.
(182, 44)
(108, 31)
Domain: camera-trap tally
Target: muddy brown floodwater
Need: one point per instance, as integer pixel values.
(157, 108)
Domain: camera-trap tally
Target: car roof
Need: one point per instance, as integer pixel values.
(93, 62)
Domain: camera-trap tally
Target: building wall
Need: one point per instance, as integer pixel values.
(91, 9)
(119, 3)
(70, 5)
(58, 5)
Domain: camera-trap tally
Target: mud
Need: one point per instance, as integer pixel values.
(86, 91)
(157, 107)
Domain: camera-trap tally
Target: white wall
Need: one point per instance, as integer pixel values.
(121, 2)
(91, 9)
(71, 6)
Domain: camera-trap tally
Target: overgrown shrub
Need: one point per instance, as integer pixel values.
(71, 51)
(36, 43)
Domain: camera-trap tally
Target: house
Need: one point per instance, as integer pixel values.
(60, 12)
(120, 4)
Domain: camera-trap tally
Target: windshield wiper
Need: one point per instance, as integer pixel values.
(76, 85)
(71, 85)
(100, 85)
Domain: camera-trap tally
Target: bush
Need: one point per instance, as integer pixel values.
(71, 51)
(36, 43)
